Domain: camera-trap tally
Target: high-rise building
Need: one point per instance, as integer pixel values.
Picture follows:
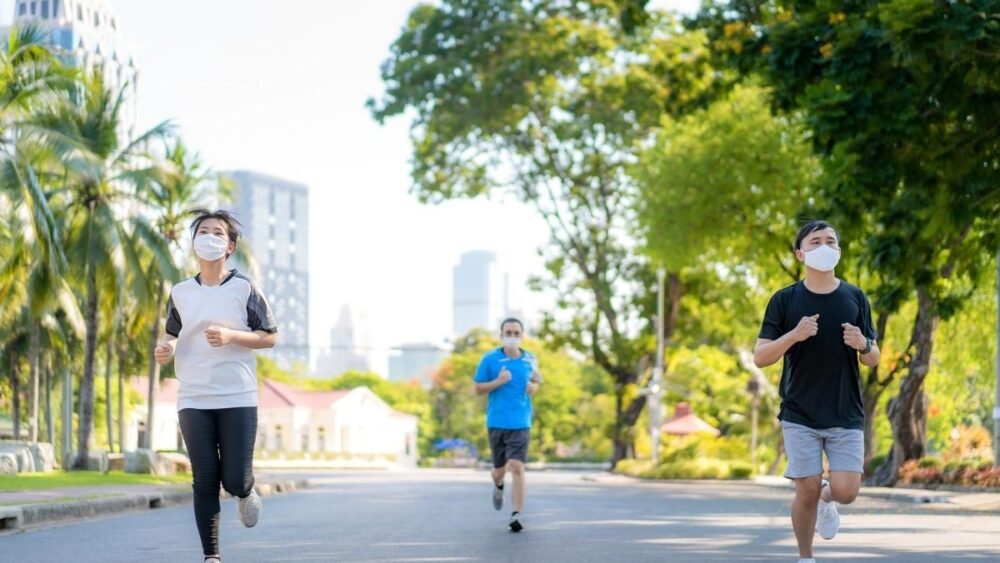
(275, 218)
(85, 33)
(479, 293)
(416, 361)
(350, 345)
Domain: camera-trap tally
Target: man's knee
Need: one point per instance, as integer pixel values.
(516, 468)
(845, 491)
(808, 490)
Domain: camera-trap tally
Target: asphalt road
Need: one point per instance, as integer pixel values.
(446, 515)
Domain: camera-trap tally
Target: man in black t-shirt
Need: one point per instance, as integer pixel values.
(821, 326)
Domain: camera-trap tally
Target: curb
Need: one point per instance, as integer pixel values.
(965, 502)
(17, 517)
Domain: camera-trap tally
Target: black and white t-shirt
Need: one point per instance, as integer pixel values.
(223, 377)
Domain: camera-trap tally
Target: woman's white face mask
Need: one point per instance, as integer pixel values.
(210, 247)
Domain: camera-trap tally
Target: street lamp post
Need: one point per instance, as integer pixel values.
(655, 386)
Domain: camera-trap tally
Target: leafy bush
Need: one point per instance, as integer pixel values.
(930, 462)
(875, 463)
(740, 470)
(702, 468)
(634, 467)
(966, 473)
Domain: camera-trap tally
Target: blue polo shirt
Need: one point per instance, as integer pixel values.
(508, 406)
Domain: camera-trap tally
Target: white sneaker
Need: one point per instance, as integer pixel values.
(827, 517)
(497, 497)
(213, 560)
(249, 509)
(807, 560)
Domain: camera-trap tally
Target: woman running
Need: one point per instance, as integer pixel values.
(215, 321)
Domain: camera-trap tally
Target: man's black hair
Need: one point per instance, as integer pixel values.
(810, 228)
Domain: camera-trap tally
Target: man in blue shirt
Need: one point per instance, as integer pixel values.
(510, 376)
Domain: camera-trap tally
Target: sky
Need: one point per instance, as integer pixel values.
(280, 88)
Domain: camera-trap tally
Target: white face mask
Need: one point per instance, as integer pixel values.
(210, 247)
(822, 258)
(511, 342)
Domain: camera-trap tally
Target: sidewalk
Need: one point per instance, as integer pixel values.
(954, 500)
(20, 509)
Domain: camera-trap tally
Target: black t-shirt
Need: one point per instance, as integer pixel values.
(821, 381)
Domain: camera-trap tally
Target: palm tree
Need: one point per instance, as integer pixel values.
(29, 74)
(179, 187)
(103, 176)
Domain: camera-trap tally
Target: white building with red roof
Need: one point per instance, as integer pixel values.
(299, 426)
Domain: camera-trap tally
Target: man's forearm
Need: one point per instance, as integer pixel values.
(768, 353)
(872, 358)
(484, 388)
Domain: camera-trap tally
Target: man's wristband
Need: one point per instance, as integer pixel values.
(868, 347)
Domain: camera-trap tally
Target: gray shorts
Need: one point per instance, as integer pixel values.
(844, 447)
(509, 444)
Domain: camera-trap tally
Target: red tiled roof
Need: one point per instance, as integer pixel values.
(685, 422)
(275, 394)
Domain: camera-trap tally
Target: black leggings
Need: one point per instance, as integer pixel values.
(220, 444)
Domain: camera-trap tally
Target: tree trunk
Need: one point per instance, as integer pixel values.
(15, 392)
(620, 444)
(109, 356)
(33, 386)
(154, 371)
(872, 391)
(67, 416)
(49, 429)
(908, 410)
(121, 394)
(870, 398)
(86, 423)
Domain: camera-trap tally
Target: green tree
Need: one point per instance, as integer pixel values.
(34, 266)
(102, 176)
(173, 187)
(545, 101)
(725, 186)
(898, 95)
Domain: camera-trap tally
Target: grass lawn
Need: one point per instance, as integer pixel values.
(56, 479)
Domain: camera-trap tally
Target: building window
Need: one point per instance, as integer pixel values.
(79, 12)
(55, 8)
(45, 9)
(291, 208)
(97, 19)
(114, 24)
(305, 440)
(271, 232)
(34, 8)
(291, 236)
(22, 9)
(321, 439)
(277, 438)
